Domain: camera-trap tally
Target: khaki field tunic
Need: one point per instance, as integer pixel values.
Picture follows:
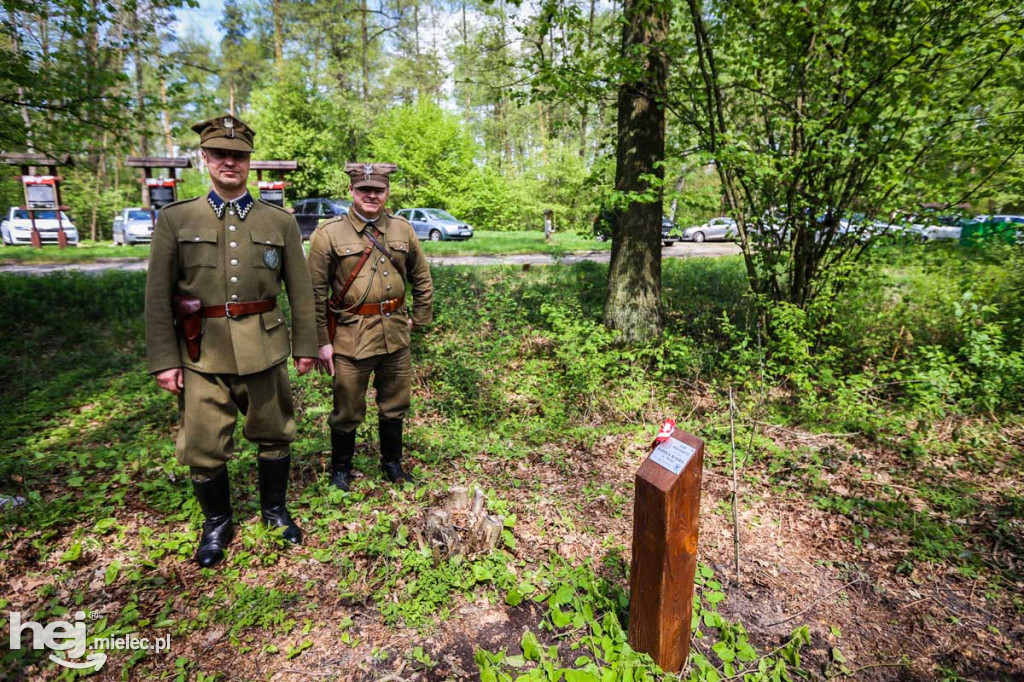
(195, 253)
(342, 240)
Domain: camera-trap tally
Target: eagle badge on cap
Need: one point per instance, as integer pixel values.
(228, 122)
(367, 170)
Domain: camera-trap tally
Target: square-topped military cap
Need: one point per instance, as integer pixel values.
(225, 132)
(370, 174)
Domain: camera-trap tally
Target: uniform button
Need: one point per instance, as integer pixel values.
(348, 250)
(382, 259)
(232, 227)
(279, 319)
(234, 297)
(197, 239)
(388, 287)
(234, 244)
(234, 261)
(234, 279)
(232, 212)
(385, 273)
(268, 241)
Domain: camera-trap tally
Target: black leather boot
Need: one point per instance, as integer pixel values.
(343, 447)
(214, 495)
(390, 431)
(273, 488)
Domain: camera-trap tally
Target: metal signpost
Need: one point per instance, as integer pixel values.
(664, 564)
(42, 192)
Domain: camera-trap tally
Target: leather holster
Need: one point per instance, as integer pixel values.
(188, 316)
(332, 324)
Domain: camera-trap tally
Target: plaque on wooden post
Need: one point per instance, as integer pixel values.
(665, 548)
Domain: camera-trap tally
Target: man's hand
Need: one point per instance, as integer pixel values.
(325, 359)
(172, 380)
(303, 365)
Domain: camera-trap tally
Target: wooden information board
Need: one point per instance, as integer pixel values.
(665, 515)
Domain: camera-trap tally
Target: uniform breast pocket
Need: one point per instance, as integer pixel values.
(400, 250)
(348, 256)
(198, 248)
(267, 249)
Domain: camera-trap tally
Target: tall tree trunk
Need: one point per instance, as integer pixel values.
(26, 119)
(278, 38)
(634, 277)
(365, 39)
(140, 101)
(101, 174)
(168, 138)
(675, 198)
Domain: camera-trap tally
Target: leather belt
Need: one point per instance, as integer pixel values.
(234, 309)
(382, 308)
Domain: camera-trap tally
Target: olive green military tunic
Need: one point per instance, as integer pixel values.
(223, 252)
(377, 343)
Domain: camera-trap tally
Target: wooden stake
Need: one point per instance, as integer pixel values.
(665, 525)
(735, 488)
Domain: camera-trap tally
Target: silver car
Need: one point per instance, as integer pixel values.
(436, 224)
(717, 228)
(134, 225)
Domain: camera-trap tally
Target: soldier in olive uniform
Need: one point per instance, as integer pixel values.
(360, 264)
(232, 254)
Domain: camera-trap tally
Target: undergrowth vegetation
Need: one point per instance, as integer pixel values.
(920, 355)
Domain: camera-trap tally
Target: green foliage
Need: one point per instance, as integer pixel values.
(895, 106)
(587, 614)
(295, 119)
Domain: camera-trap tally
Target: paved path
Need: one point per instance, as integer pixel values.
(679, 250)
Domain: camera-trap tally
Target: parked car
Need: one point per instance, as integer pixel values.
(717, 228)
(669, 234)
(604, 225)
(436, 224)
(309, 212)
(16, 228)
(134, 225)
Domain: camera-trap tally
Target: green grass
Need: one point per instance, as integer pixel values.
(483, 243)
(498, 243)
(86, 252)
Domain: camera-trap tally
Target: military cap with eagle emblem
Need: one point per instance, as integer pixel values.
(225, 132)
(370, 174)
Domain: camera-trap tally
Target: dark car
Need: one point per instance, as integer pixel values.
(669, 234)
(604, 227)
(309, 212)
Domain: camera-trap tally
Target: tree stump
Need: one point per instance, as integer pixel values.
(456, 525)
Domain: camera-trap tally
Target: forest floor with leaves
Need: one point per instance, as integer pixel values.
(859, 558)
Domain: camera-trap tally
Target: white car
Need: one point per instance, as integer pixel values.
(17, 226)
(928, 233)
(717, 228)
(133, 225)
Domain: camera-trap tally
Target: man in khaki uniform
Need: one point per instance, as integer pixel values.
(226, 256)
(368, 256)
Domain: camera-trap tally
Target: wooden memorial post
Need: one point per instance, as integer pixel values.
(664, 561)
(272, 191)
(158, 192)
(42, 192)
